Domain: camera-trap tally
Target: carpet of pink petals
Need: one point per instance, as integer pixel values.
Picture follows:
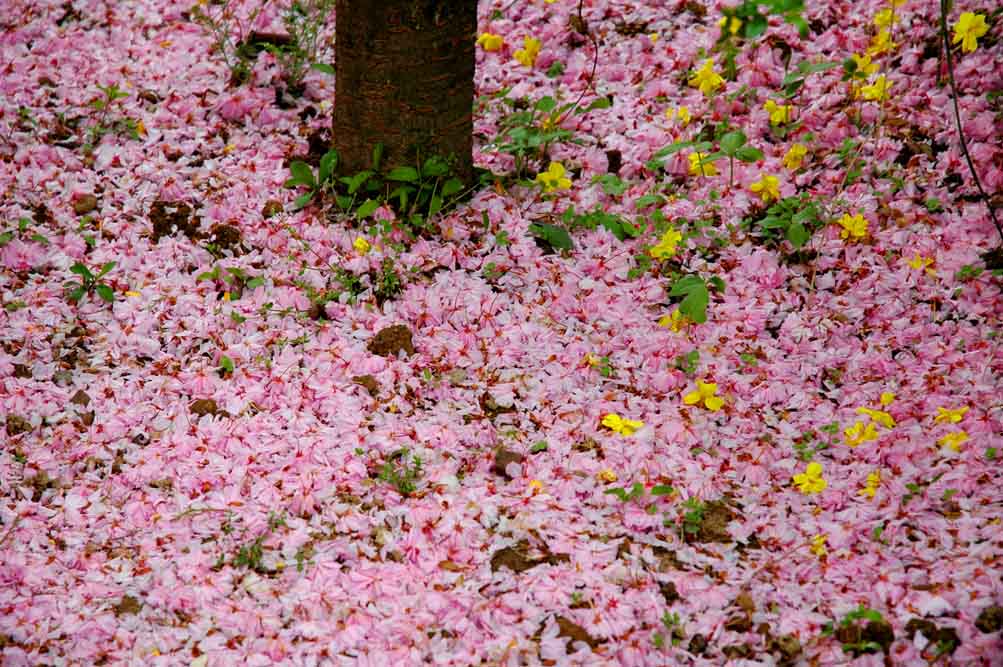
(122, 518)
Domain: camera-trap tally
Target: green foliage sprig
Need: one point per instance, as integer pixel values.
(90, 282)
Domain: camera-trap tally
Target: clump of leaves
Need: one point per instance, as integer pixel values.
(754, 22)
(693, 516)
(403, 471)
(795, 219)
(107, 123)
(251, 555)
(229, 34)
(695, 295)
(303, 20)
(530, 129)
(24, 232)
(617, 225)
(233, 280)
(90, 282)
(387, 283)
(863, 630)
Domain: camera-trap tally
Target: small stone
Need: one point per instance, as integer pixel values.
(80, 398)
(85, 204)
(391, 340)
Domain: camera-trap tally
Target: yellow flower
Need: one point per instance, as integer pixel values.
(361, 245)
(675, 321)
(133, 293)
(859, 433)
(880, 416)
(705, 393)
(968, 29)
(871, 485)
(810, 481)
(700, 166)
(682, 114)
(591, 359)
(854, 226)
(529, 51)
(553, 178)
(877, 91)
(921, 263)
(490, 42)
(667, 245)
(653, 37)
(779, 113)
(794, 155)
(731, 24)
(882, 43)
(767, 187)
(952, 415)
(818, 545)
(620, 425)
(953, 440)
(535, 486)
(884, 18)
(607, 475)
(706, 79)
(864, 64)
(886, 398)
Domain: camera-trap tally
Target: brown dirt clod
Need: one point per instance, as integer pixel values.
(170, 217)
(391, 340)
(85, 204)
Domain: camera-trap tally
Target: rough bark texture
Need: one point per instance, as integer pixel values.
(405, 78)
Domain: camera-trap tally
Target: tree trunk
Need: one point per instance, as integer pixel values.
(404, 78)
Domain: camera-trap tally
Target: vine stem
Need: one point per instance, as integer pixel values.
(957, 117)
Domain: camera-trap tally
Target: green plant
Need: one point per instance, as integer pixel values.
(857, 640)
(733, 146)
(695, 293)
(106, 124)
(24, 232)
(229, 34)
(528, 132)
(810, 444)
(90, 283)
(251, 555)
(617, 225)
(795, 219)
(693, 516)
(401, 472)
(688, 362)
(303, 20)
(387, 283)
(754, 22)
(233, 280)
(793, 81)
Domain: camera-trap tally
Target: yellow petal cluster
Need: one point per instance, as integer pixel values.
(706, 394)
(811, 481)
(620, 425)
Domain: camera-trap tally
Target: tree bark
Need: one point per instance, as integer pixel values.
(404, 78)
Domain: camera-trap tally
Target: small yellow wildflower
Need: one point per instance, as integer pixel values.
(767, 187)
(818, 545)
(921, 263)
(886, 398)
(591, 359)
(864, 64)
(860, 433)
(361, 245)
(706, 393)
(731, 24)
(700, 166)
(882, 43)
(133, 293)
(877, 91)
(553, 178)
(666, 247)
(880, 416)
(620, 425)
(653, 37)
(681, 114)
(953, 440)
(529, 51)
(810, 481)
(779, 113)
(952, 415)
(794, 156)
(968, 29)
(706, 79)
(535, 486)
(674, 320)
(854, 226)
(884, 18)
(871, 485)
(226, 296)
(490, 42)
(607, 476)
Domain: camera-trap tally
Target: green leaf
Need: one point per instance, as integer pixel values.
(406, 174)
(797, 234)
(798, 22)
(539, 446)
(717, 284)
(749, 154)
(545, 104)
(451, 187)
(557, 237)
(732, 141)
(6, 237)
(377, 155)
(367, 208)
(694, 306)
(611, 184)
(598, 103)
(434, 167)
(323, 67)
(76, 294)
(302, 200)
(105, 268)
(755, 26)
(662, 490)
(648, 200)
(434, 205)
(255, 282)
(301, 175)
(82, 271)
(327, 166)
(556, 69)
(355, 182)
(226, 363)
(105, 292)
(685, 285)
